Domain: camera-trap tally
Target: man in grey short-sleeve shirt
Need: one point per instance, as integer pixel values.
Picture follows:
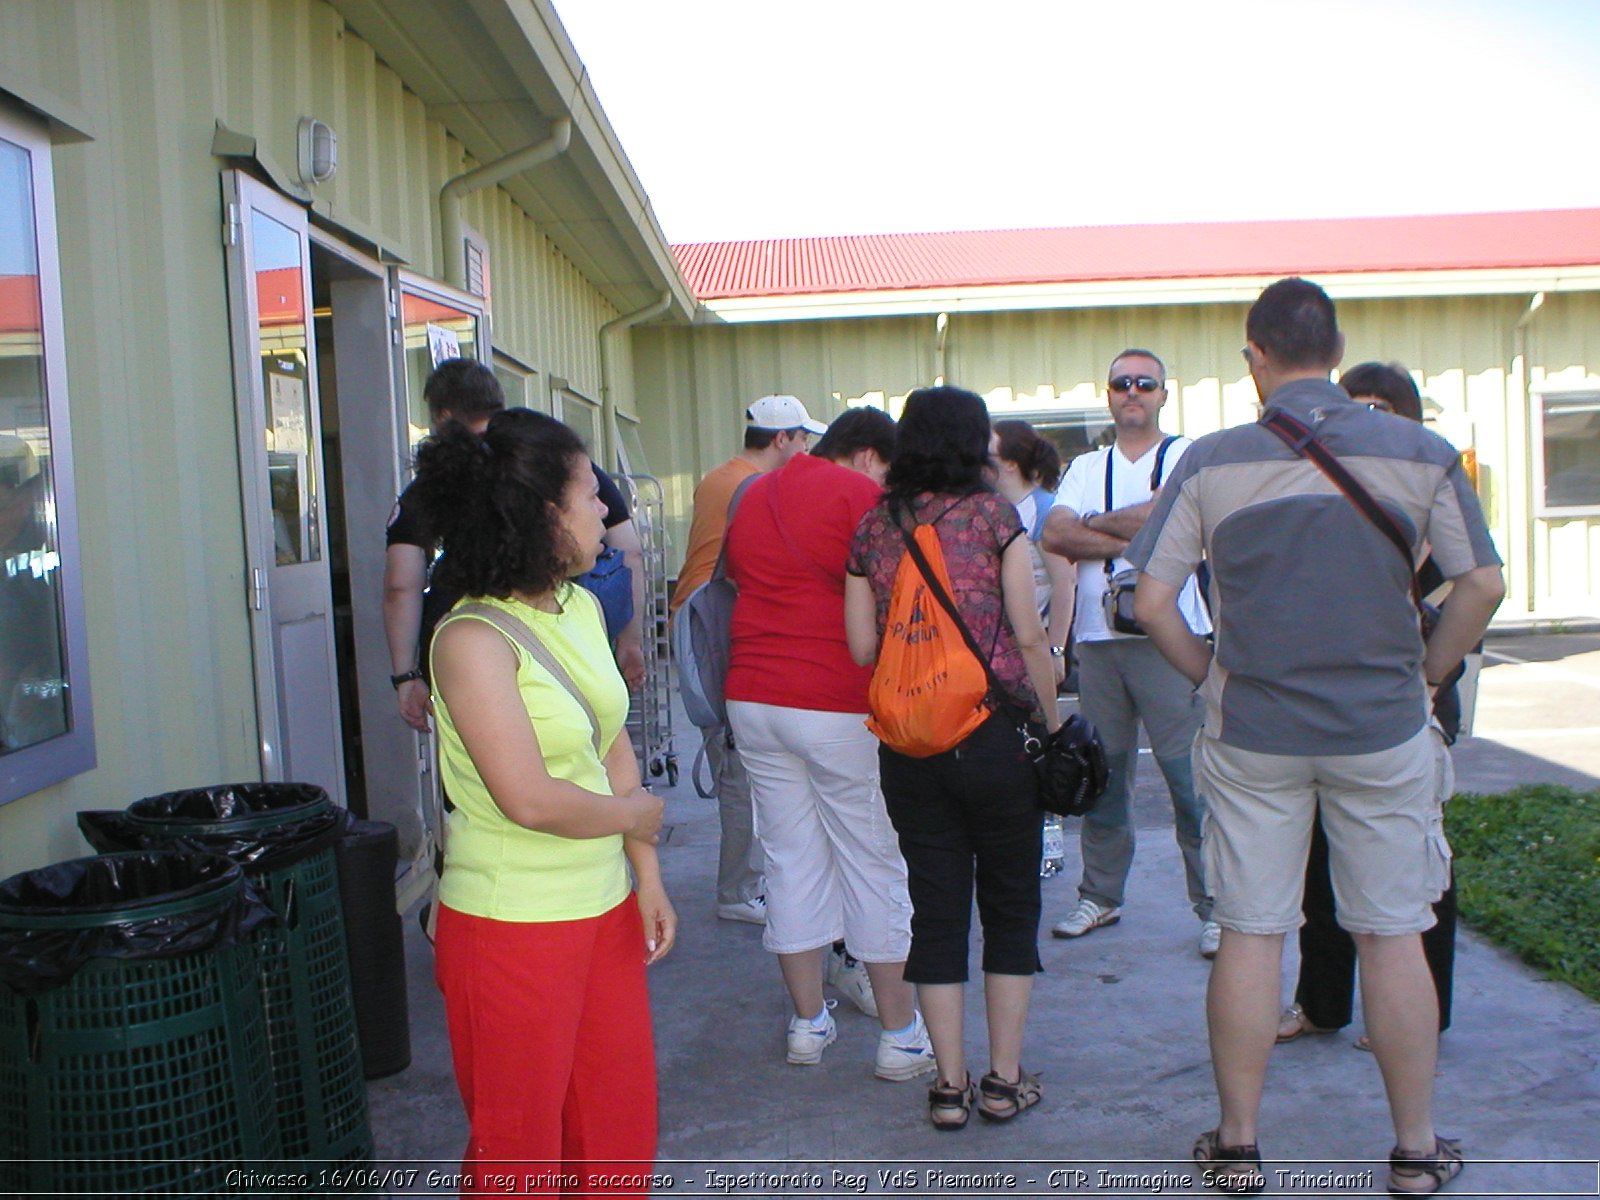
(1318, 693)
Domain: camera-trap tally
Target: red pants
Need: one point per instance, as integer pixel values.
(550, 1032)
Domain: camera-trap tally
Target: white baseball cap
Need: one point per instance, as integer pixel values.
(777, 413)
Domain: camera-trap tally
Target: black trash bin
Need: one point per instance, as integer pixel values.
(283, 835)
(367, 856)
(133, 1041)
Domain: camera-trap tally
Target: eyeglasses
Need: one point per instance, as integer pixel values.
(1126, 383)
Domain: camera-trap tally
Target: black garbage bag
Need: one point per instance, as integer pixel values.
(145, 905)
(107, 831)
(260, 826)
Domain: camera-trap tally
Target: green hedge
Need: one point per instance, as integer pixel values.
(1528, 876)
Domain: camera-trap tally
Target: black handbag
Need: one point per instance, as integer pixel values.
(1071, 765)
(1071, 762)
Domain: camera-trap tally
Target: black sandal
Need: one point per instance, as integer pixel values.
(1432, 1170)
(1235, 1170)
(949, 1106)
(1004, 1099)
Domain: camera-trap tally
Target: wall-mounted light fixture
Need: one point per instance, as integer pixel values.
(319, 151)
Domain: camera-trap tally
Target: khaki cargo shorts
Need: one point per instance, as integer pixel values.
(1383, 814)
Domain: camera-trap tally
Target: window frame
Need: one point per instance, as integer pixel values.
(34, 768)
(1541, 508)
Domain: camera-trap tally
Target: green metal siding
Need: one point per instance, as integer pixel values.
(1055, 360)
(148, 345)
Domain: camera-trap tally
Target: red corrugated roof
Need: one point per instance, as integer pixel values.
(1089, 254)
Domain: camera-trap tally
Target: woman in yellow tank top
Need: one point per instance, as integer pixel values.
(540, 950)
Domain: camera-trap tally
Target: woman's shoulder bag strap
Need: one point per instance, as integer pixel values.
(517, 630)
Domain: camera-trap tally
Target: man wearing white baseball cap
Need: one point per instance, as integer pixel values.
(776, 429)
(782, 414)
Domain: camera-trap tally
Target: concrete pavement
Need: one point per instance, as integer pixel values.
(1117, 1034)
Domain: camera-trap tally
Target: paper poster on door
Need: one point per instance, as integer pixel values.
(288, 413)
(442, 343)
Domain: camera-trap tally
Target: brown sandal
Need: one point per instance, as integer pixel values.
(949, 1106)
(1003, 1099)
(1235, 1170)
(1421, 1172)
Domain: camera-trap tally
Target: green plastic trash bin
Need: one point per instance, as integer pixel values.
(133, 1042)
(283, 834)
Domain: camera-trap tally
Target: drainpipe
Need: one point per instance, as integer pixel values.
(608, 404)
(450, 227)
(941, 327)
(1519, 353)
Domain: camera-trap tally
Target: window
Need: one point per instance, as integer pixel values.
(437, 323)
(518, 382)
(630, 453)
(1074, 431)
(46, 733)
(580, 413)
(1569, 461)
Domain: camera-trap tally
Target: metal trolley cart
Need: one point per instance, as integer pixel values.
(650, 710)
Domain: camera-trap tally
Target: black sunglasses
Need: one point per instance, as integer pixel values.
(1124, 383)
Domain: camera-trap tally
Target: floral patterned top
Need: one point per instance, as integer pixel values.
(973, 533)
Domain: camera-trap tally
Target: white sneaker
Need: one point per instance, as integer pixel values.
(849, 977)
(807, 1041)
(1210, 939)
(905, 1056)
(753, 911)
(1087, 916)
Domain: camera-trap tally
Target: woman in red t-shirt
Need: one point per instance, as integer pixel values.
(796, 706)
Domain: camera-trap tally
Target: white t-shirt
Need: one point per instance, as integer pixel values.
(1083, 490)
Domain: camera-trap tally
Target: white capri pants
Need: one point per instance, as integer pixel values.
(833, 863)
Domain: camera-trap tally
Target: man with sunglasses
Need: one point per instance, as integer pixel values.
(1123, 681)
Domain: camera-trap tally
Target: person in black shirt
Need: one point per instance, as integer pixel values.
(418, 589)
(1324, 993)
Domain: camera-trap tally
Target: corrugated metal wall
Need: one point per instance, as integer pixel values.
(1056, 360)
(148, 341)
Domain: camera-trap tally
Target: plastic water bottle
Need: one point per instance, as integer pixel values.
(1055, 847)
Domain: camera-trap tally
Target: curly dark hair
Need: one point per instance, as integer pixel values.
(941, 445)
(493, 501)
(1036, 456)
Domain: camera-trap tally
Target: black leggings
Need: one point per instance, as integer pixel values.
(1328, 954)
(970, 815)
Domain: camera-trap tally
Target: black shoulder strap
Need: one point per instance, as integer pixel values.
(1161, 458)
(1304, 442)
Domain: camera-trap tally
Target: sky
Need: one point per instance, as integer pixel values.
(749, 119)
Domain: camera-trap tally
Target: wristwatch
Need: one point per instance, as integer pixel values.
(1058, 651)
(405, 677)
(1087, 517)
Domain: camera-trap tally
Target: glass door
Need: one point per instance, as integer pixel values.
(280, 455)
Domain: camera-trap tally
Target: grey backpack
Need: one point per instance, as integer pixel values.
(700, 638)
